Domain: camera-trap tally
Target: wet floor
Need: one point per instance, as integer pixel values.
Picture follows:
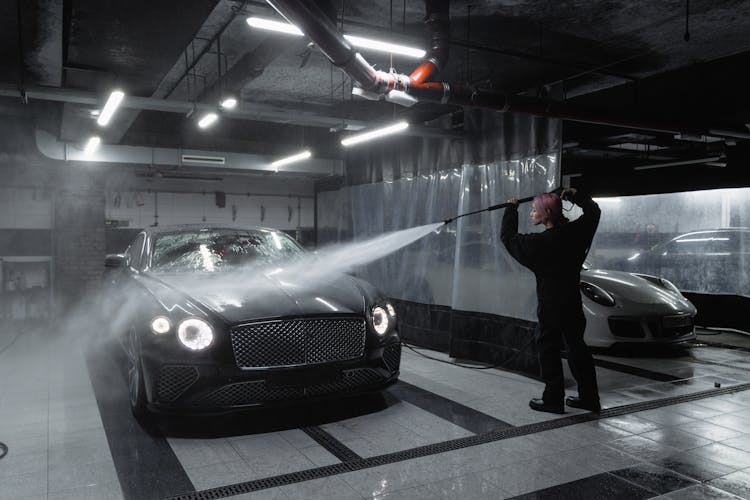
(676, 424)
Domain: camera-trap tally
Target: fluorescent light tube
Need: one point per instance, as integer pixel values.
(267, 24)
(229, 103)
(374, 134)
(208, 120)
(113, 102)
(291, 159)
(92, 145)
(392, 48)
(357, 41)
(677, 163)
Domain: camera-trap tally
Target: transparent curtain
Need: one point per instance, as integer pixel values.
(698, 240)
(464, 264)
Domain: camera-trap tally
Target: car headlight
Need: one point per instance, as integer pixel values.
(669, 286)
(380, 320)
(195, 334)
(161, 325)
(391, 310)
(664, 283)
(597, 294)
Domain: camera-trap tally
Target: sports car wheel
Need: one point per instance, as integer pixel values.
(136, 386)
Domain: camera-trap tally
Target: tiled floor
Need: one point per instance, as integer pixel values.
(69, 435)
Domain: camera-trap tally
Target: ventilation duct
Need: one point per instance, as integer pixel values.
(316, 25)
(50, 147)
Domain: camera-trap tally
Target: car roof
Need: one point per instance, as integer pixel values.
(205, 227)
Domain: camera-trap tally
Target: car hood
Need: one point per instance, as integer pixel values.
(238, 297)
(634, 289)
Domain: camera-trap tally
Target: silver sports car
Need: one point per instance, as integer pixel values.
(625, 307)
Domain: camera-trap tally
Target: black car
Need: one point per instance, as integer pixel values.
(215, 319)
(709, 261)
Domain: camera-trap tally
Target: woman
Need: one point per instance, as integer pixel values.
(555, 256)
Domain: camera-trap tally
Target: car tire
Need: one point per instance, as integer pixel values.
(136, 385)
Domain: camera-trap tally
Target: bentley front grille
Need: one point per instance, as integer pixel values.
(298, 342)
(257, 391)
(174, 380)
(392, 356)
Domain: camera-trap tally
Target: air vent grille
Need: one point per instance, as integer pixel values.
(205, 160)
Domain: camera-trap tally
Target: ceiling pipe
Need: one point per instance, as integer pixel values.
(313, 22)
(310, 19)
(437, 20)
(193, 159)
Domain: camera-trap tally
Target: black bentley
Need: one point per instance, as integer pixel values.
(215, 319)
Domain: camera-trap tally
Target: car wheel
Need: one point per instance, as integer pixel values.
(136, 385)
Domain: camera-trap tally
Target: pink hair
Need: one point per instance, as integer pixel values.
(550, 205)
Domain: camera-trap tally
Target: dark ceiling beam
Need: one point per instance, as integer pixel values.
(248, 68)
(212, 28)
(248, 111)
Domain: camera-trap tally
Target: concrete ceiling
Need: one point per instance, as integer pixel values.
(629, 57)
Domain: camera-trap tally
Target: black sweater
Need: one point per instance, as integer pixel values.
(556, 255)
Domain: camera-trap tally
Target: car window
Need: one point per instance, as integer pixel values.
(134, 251)
(220, 250)
(726, 242)
(697, 243)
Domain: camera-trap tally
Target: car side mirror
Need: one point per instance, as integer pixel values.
(115, 260)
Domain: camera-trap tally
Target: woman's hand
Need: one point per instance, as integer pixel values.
(513, 201)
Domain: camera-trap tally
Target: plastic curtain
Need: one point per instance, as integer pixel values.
(699, 240)
(464, 265)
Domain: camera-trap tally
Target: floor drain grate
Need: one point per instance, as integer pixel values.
(3, 450)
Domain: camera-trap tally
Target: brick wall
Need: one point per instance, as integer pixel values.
(79, 244)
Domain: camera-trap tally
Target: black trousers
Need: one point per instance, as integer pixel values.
(555, 327)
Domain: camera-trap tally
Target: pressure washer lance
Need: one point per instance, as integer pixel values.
(498, 206)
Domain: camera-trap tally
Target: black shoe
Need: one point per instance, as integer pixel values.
(539, 404)
(575, 402)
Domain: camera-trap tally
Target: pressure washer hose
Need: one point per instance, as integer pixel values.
(499, 205)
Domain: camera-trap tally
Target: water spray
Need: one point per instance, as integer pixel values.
(499, 206)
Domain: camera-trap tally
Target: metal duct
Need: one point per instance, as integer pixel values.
(307, 17)
(50, 147)
(437, 20)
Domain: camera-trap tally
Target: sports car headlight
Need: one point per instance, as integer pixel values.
(669, 286)
(380, 320)
(195, 334)
(161, 325)
(597, 294)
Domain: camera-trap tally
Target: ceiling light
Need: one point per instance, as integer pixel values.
(392, 48)
(677, 163)
(267, 24)
(229, 103)
(291, 159)
(357, 41)
(208, 120)
(92, 145)
(374, 134)
(113, 102)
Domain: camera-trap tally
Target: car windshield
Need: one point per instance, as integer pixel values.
(220, 250)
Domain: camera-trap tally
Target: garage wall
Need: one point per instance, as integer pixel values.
(136, 209)
(25, 252)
